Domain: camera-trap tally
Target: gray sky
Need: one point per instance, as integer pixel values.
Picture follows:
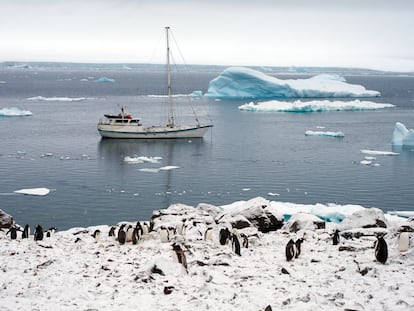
(375, 34)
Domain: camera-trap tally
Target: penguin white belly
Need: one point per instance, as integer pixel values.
(403, 242)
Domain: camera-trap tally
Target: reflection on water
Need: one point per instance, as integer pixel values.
(183, 153)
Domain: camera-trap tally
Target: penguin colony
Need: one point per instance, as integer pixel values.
(127, 233)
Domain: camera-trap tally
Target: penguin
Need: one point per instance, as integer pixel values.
(179, 255)
(138, 226)
(298, 243)
(164, 235)
(245, 239)
(38, 235)
(403, 242)
(208, 234)
(145, 228)
(26, 232)
(128, 234)
(50, 232)
(121, 235)
(96, 234)
(112, 231)
(335, 239)
(290, 250)
(224, 236)
(135, 233)
(13, 233)
(235, 243)
(381, 250)
(181, 227)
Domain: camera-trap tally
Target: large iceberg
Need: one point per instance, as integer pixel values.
(241, 82)
(402, 136)
(313, 106)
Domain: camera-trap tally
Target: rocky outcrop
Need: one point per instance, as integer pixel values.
(6, 221)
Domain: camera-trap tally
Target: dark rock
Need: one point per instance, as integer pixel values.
(6, 221)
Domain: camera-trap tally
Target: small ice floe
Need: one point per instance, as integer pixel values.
(46, 155)
(58, 99)
(14, 112)
(33, 191)
(168, 167)
(142, 159)
(149, 170)
(105, 79)
(3, 82)
(273, 194)
(246, 189)
(378, 152)
(324, 133)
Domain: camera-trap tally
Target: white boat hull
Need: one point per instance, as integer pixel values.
(140, 132)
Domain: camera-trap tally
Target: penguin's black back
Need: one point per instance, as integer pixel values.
(381, 250)
(13, 233)
(335, 239)
(121, 235)
(224, 236)
(112, 231)
(236, 244)
(25, 233)
(298, 244)
(38, 235)
(290, 250)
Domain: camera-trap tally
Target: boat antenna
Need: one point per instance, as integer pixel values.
(170, 110)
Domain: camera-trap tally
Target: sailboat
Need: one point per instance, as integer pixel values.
(123, 125)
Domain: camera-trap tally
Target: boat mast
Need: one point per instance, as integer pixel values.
(170, 109)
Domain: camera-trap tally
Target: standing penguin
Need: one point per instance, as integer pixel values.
(26, 232)
(179, 255)
(128, 234)
(164, 235)
(96, 234)
(224, 236)
(403, 242)
(208, 234)
(112, 231)
(235, 243)
(335, 239)
(38, 235)
(135, 234)
(381, 250)
(290, 250)
(245, 242)
(121, 235)
(298, 244)
(13, 233)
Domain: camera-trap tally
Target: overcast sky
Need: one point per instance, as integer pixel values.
(377, 34)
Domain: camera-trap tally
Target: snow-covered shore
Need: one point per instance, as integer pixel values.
(73, 271)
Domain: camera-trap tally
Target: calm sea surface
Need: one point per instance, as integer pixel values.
(245, 155)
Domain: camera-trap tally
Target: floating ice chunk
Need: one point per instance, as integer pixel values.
(142, 159)
(168, 167)
(105, 79)
(197, 94)
(321, 133)
(366, 162)
(378, 152)
(58, 99)
(33, 191)
(273, 194)
(14, 112)
(240, 82)
(405, 214)
(313, 106)
(402, 136)
(149, 170)
(3, 82)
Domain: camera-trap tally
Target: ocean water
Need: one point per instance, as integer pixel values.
(246, 154)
